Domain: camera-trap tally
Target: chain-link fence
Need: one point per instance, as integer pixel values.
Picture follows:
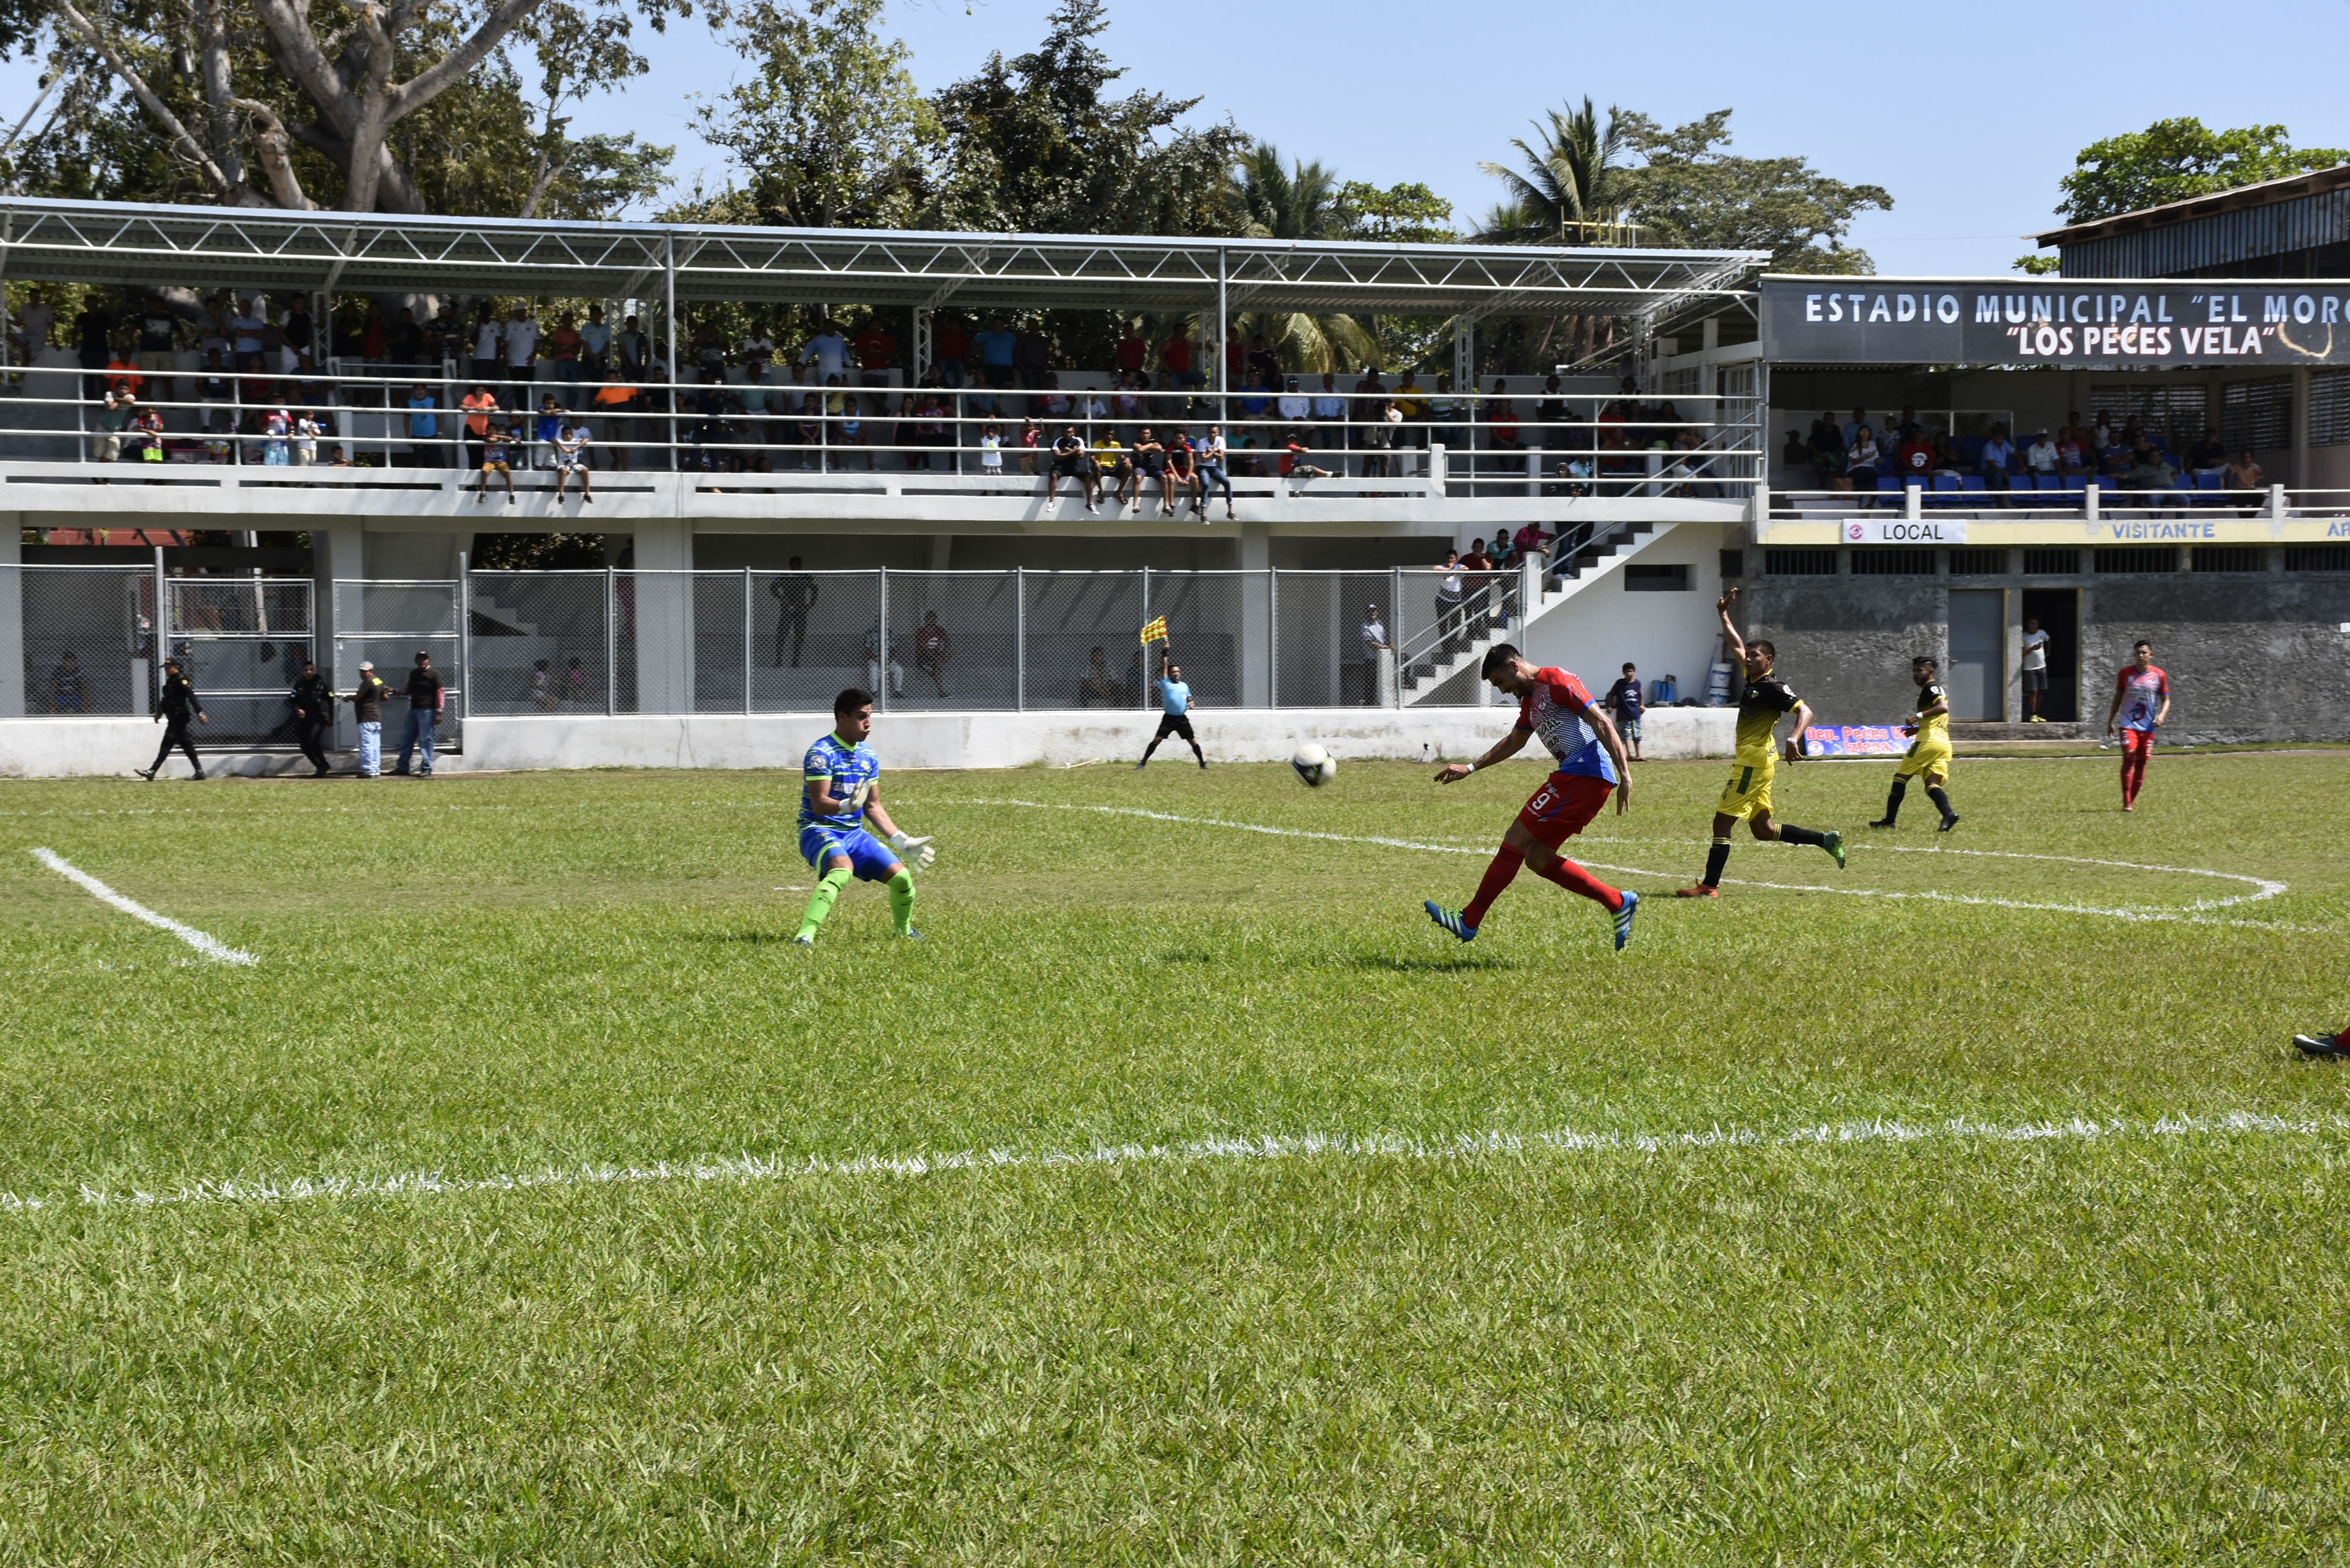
(242, 642)
(389, 624)
(87, 637)
(540, 642)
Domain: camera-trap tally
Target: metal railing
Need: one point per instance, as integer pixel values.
(2072, 499)
(1391, 442)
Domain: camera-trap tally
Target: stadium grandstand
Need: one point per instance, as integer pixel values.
(1887, 465)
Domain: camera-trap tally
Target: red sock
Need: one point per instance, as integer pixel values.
(1498, 875)
(1575, 879)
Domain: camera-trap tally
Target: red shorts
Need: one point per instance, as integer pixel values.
(1563, 808)
(2138, 743)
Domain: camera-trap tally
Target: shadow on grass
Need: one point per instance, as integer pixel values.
(1427, 963)
(775, 938)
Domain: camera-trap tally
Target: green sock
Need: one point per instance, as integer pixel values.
(901, 901)
(820, 903)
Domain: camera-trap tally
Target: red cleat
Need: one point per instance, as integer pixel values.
(1700, 891)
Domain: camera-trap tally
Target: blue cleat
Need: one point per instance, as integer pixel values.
(1624, 920)
(912, 935)
(1449, 919)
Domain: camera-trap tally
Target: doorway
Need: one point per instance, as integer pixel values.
(2058, 611)
(1977, 677)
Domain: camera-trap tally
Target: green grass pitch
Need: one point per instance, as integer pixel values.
(1188, 1197)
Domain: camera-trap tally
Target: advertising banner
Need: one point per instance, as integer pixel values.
(2051, 322)
(1855, 740)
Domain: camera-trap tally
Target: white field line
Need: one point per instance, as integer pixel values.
(210, 947)
(2263, 887)
(751, 1167)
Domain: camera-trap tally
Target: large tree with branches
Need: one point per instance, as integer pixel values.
(334, 103)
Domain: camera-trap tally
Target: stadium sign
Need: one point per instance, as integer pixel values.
(2023, 321)
(1905, 531)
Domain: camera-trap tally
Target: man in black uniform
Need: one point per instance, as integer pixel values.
(796, 594)
(314, 715)
(175, 706)
(423, 711)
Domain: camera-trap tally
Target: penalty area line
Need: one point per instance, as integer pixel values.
(749, 1167)
(210, 947)
(2267, 889)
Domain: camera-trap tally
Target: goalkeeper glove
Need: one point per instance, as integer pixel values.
(915, 852)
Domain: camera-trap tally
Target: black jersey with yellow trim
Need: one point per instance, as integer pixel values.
(1767, 700)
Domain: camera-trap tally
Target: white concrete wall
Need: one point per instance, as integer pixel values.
(48, 748)
(1663, 633)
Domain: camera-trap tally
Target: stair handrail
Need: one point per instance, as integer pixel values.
(1508, 601)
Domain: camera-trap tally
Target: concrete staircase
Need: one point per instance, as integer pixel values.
(1428, 671)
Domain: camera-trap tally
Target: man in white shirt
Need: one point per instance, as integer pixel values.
(828, 352)
(246, 330)
(2041, 456)
(596, 338)
(1378, 659)
(33, 322)
(2035, 670)
(521, 356)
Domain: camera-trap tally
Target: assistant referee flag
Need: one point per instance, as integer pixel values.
(1156, 631)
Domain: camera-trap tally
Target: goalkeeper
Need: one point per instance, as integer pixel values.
(840, 789)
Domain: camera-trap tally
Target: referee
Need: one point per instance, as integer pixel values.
(1175, 717)
(175, 706)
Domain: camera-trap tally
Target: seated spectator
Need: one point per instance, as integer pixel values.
(1292, 405)
(1913, 463)
(1094, 685)
(2148, 470)
(2071, 448)
(1054, 403)
(2207, 455)
(1998, 454)
(1294, 461)
(807, 432)
(2113, 458)
(1501, 420)
(217, 391)
(336, 457)
(1795, 458)
(2042, 455)
(1863, 461)
(1946, 458)
(1829, 460)
(2245, 475)
(1531, 541)
(849, 429)
(142, 438)
(545, 695)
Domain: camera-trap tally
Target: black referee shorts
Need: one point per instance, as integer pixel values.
(1173, 724)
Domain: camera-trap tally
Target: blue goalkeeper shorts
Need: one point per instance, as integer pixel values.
(868, 858)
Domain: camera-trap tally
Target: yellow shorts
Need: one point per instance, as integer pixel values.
(1748, 793)
(1931, 763)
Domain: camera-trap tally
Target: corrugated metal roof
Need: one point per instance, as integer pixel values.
(2220, 238)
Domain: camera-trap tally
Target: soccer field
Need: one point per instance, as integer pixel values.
(1187, 1196)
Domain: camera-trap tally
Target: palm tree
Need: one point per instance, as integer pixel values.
(1566, 184)
(1299, 202)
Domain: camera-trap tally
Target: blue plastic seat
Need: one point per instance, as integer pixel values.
(2076, 483)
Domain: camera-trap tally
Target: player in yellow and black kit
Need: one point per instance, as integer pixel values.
(1928, 756)
(1748, 793)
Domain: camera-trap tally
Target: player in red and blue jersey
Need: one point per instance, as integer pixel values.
(2141, 703)
(1590, 765)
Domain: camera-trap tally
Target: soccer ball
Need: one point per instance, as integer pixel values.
(1314, 766)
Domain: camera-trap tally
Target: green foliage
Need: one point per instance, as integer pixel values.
(831, 130)
(1408, 214)
(1686, 191)
(485, 142)
(2172, 160)
(2039, 265)
(1033, 145)
(1442, 1338)
(1296, 202)
(1570, 180)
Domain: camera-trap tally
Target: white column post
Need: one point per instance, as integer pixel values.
(11, 604)
(611, 641)
(1272, 636)
(668, 272)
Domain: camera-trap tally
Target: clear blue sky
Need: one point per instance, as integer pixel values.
(1968, 116)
